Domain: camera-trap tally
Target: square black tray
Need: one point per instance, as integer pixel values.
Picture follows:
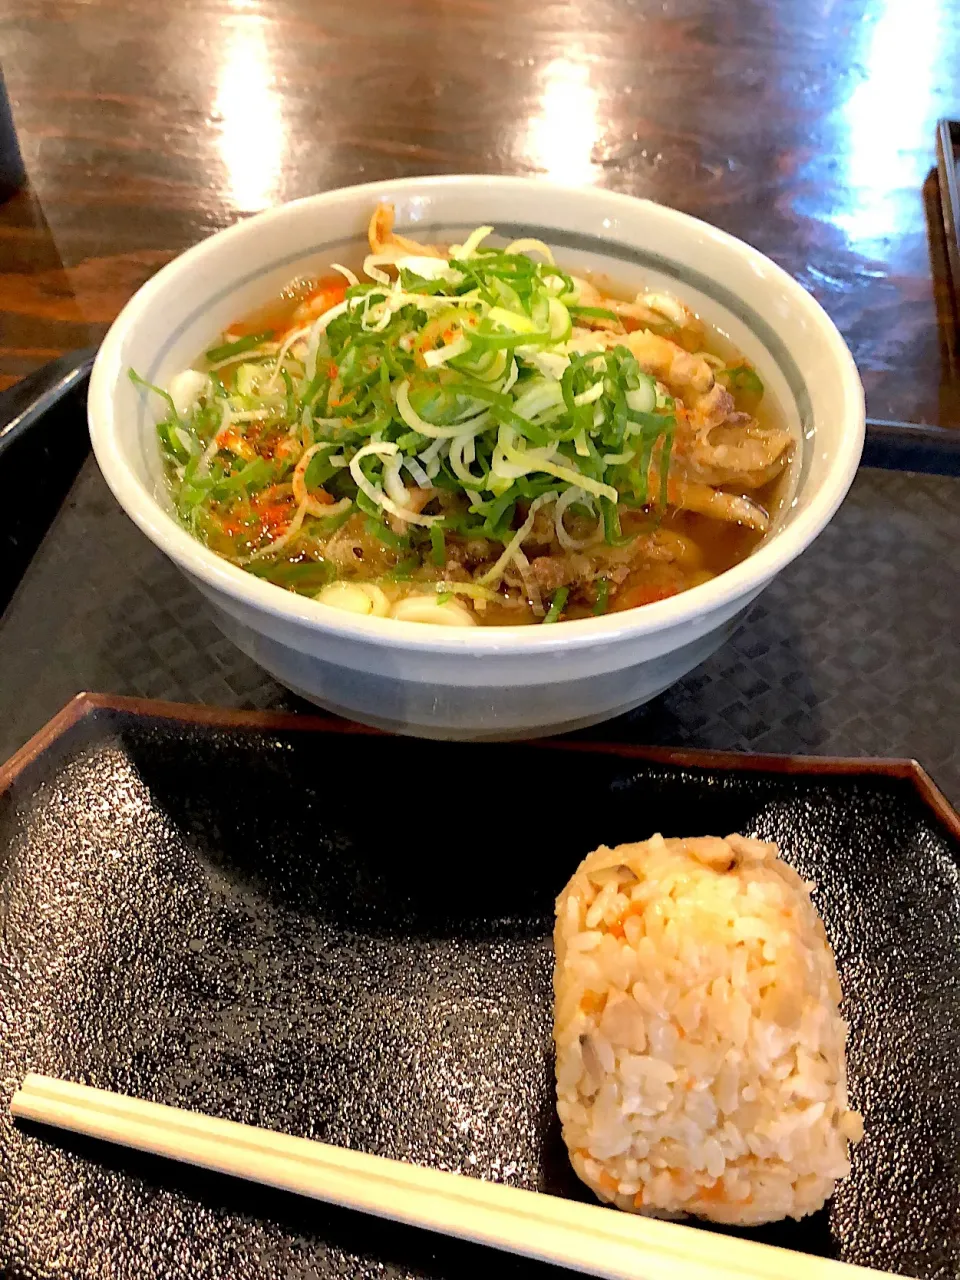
(340, 935)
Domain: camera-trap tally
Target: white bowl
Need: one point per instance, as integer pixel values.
(496, 682)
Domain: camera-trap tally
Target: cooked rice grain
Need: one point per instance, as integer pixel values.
(700, 1048)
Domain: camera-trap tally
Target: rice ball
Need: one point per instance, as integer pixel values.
(700, 1051)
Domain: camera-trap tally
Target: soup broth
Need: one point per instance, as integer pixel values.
(472, 436)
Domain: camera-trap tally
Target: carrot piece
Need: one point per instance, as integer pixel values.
(329, 291)
(617, 929)
(715, 1194)
(592, 1002)
(642, 594)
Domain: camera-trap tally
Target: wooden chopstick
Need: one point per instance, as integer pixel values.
(582, 1237)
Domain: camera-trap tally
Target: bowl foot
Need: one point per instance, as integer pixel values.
(467, 713)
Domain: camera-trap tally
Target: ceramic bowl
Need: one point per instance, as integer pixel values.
(481, 682)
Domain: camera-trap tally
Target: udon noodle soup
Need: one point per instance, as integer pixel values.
(470, 435)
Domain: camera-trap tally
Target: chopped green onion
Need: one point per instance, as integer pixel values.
(601, 313)
(252, 475)
(741, 377)
(291, 397)
(603, 596)
(249, 343)
(556, 605)
(612, 534)
(305, 577)
(405, 570)
(148, 386)
(438, 546)
(377, 529)
(665, 450)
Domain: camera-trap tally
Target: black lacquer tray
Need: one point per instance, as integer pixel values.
(852, 650)
(301, 925)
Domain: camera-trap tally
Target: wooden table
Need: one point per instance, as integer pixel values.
(804, 126)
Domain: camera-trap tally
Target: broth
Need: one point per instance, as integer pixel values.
(535, 449)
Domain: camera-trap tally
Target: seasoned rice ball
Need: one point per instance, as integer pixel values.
(700, 1048)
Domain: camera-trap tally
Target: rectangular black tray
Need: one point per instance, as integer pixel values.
(43, 442)
(852, 650)
(336, 934)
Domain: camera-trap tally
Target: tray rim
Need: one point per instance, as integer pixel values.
(86, 705)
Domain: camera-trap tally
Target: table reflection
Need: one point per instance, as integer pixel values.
(248, 108)
(805, 129)
(890, 115)
(560, 137)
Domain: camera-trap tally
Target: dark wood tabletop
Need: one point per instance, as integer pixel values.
(805, 126)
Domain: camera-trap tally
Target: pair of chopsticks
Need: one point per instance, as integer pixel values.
(582, 1237)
